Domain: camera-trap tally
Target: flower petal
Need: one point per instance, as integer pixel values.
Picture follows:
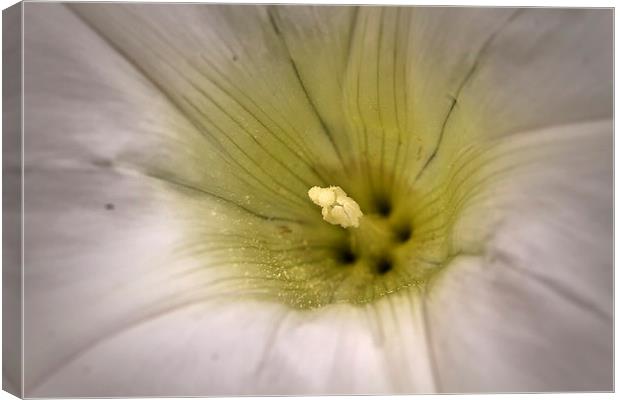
(222, 348)
(240, 90)
(318, 40)
(385, 75)
(536, 73)
(538, 68)
(98, 231)
(442, 78)
(533, 311)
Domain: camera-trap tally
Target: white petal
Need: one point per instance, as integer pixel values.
(318, 40)
(443, 78)
(101, 238)
(543, 68)
(538, 68)
(218, 348)
(230, 73)
(385, 76)
(533, 311)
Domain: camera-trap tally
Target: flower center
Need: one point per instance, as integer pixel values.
(360, 252)
(367, 238)
(372, 238)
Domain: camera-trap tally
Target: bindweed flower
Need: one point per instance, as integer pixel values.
(172, 241)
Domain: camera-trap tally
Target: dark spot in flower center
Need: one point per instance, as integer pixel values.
(403, 233)
(109, 206)
(383, 206)
(383, 266)
(345, 255)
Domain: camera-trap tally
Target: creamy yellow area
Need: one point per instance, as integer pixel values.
(337, 207)
(406, 236)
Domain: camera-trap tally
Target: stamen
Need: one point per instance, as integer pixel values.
(338, 208)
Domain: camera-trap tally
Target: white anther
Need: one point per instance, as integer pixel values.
(338, 208)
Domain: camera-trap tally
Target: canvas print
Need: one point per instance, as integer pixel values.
(225, 199)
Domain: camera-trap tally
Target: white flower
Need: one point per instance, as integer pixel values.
(171, 247)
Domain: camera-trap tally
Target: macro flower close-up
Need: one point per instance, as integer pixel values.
(297, 199)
